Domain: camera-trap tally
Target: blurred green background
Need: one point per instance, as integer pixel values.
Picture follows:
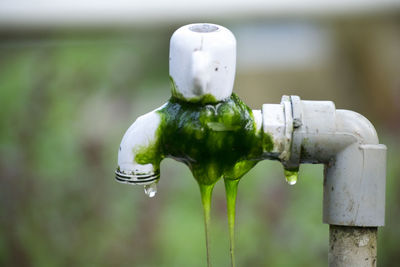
(68, 95)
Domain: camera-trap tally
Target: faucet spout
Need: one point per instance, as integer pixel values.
(139, 156)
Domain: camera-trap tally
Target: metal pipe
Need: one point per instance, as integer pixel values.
(352, 246)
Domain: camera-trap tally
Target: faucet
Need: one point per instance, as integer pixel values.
(207, 127)
(203, 124)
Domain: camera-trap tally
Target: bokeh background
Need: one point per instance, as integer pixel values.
(74, 76)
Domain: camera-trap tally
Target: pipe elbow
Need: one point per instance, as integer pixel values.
(355, 163)
(138, 155)
(323, 131)
(354, 184)
(350, 122)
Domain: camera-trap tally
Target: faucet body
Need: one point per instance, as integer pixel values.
(203, 124)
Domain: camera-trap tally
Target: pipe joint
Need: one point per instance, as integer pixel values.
(355, 163)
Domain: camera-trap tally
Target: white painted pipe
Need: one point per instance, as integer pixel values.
(343, 140)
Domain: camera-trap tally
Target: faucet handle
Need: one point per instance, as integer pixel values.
(202, 63)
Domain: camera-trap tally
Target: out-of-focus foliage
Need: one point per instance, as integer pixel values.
(66, 100)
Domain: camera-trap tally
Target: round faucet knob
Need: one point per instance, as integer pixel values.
(202, 63)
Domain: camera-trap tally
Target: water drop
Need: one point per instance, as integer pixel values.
(291, 176)
(150, 190)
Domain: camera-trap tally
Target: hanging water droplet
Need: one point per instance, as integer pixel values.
(150, 189)
(291, 176)
(291, 180)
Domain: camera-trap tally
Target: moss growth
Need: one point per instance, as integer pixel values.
(231, 193)
(206, 193)
(150, 154)
(215, 140)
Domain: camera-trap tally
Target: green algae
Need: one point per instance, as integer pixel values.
(148, 154)
(212, 140)
(231, 193)
(215, 140)
(206, 193)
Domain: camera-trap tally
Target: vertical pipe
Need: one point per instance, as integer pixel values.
(352, 246)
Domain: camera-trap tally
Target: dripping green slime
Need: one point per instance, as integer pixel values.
(215, 140)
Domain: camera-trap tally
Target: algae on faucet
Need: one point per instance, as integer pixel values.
(215, 140)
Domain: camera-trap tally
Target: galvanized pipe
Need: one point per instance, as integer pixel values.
(352, 246)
